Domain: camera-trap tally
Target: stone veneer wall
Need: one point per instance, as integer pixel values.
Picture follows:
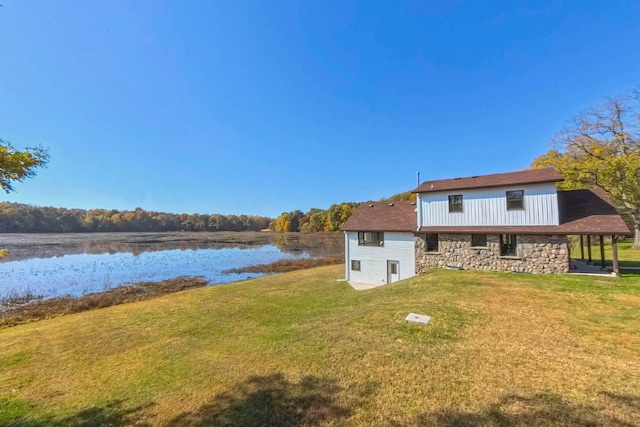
(535, 254)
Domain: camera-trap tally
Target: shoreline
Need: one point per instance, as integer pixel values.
(35, 309)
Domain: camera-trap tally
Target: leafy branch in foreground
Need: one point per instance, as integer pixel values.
(17, 165)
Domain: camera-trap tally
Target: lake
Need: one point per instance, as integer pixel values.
(74, 264)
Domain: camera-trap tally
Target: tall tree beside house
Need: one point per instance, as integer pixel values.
(601, 148)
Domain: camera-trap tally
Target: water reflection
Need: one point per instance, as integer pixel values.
(25, 246)
(76, 263)
(79, 274)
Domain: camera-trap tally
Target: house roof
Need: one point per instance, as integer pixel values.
(534, 176)
(586, 212)
(383, 216)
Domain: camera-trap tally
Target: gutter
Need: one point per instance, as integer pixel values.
(419, 211)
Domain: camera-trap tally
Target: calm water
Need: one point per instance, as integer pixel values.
(66, 272)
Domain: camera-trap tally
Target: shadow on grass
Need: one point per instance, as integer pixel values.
(271, 400)
(628, 400)
(540, 410)
(112, 414)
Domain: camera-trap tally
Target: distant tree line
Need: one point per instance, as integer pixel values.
(22, 218)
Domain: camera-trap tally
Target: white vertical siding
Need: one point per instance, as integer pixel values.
(488, 206)
(398, 246)
(347, 261)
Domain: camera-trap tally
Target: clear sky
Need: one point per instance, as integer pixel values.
(260, 107)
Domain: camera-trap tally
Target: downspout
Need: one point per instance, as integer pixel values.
(419, 222)
(419, 211)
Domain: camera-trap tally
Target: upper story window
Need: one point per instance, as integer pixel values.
(370, 238)
(455, 203)
(515, 200)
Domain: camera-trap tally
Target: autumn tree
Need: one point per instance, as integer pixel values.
(17, 165)
(338, 214)
(401, 197)
(313, 221)
(601, 149)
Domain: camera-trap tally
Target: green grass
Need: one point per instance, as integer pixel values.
(627, 257)
(304, 349)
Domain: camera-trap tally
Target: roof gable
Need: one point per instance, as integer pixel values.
(534, 176)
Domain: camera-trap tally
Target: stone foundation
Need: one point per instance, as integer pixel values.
(534, 254)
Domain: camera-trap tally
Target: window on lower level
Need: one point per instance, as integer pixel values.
(508, 245)
(355, 265)
(432, 243)
(370, 238)
(479, 240)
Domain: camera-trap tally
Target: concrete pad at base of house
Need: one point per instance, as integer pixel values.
(584, 268)
(362, 286)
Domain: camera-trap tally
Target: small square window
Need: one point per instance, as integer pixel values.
(455, 203)
(515, 200)
(479, 240)
(355, 265)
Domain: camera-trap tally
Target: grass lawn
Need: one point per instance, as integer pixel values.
(303, 349)
(627, 257)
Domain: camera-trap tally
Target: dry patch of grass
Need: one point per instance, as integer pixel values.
(303, 349)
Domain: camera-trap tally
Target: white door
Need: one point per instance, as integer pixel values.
(393, 271)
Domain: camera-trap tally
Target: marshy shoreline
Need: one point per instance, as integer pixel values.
(19, 310)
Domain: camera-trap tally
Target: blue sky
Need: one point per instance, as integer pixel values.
(260, 107)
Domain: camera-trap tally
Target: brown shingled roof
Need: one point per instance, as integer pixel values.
(534, 176)
(383, 216)
(586, 212)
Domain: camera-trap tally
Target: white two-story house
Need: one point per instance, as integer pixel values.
(515, 221)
